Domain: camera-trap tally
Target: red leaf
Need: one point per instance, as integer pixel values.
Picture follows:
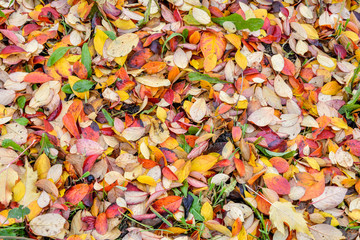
(354, 146)
(169, 174)
(70, 124)
(76, 193)
(37, 77)
(171, 203)
(12, 49)
(114, 211)
(140, 58)
(277, 183)
(89, 162)
(101, 224)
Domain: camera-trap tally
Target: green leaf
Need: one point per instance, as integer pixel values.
(46, 145)
(196, 208)
(21, 101)
(57, 54)
(10, 143)
(196, 76)
(67, 89)
(2, 14)
(22, 121)
(269, 153)
(185, 188)
(108, 117)
(83, 86)
(253, 24)
(110, 34)
(193, 130)
(86, 58)
(19, 212)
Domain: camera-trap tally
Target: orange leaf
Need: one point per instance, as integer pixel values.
(289, 68)
(154, 67)
(37, 77)
(240, 167)
(101, 224)
(313, 183)
(70, 124)
(76, 193)
(262, 205)
(277, 183)
(173, 73)
(280, 164)
(236, 133)
(169, 174)
(213, 43)
(80, 70)
(236, 227)
(171, 203)
(75, 108)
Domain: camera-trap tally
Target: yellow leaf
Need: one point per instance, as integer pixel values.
(29, 180)
(334, 221)
(147, 180)
(357, 54)
(7, 181)
(284, 212)
(161, 114)
(176, 230)
(35, 210)
(234, 39)
(215, 226)
(203, 163)
(353, 36)
(339, 122)
(123, 95)
(124, 24)
(210, 62)
(183, 172)
(355, 215)
(207, 211)
(63, 67)
(120, 60)
(241, 60)
(331, 88)
(99, 41)
(260, 13)
(313, 163)
(42, 166)
(242, 234)
(310, 30)
(19, 191)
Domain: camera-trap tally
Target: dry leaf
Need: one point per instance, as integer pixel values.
(284, 212)
(48, 225)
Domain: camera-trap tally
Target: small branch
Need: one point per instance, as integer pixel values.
(16, 159)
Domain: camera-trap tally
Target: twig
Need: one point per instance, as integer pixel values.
(11, 237)
(17, 158)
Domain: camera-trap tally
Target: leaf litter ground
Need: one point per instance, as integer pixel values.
(179, 119)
